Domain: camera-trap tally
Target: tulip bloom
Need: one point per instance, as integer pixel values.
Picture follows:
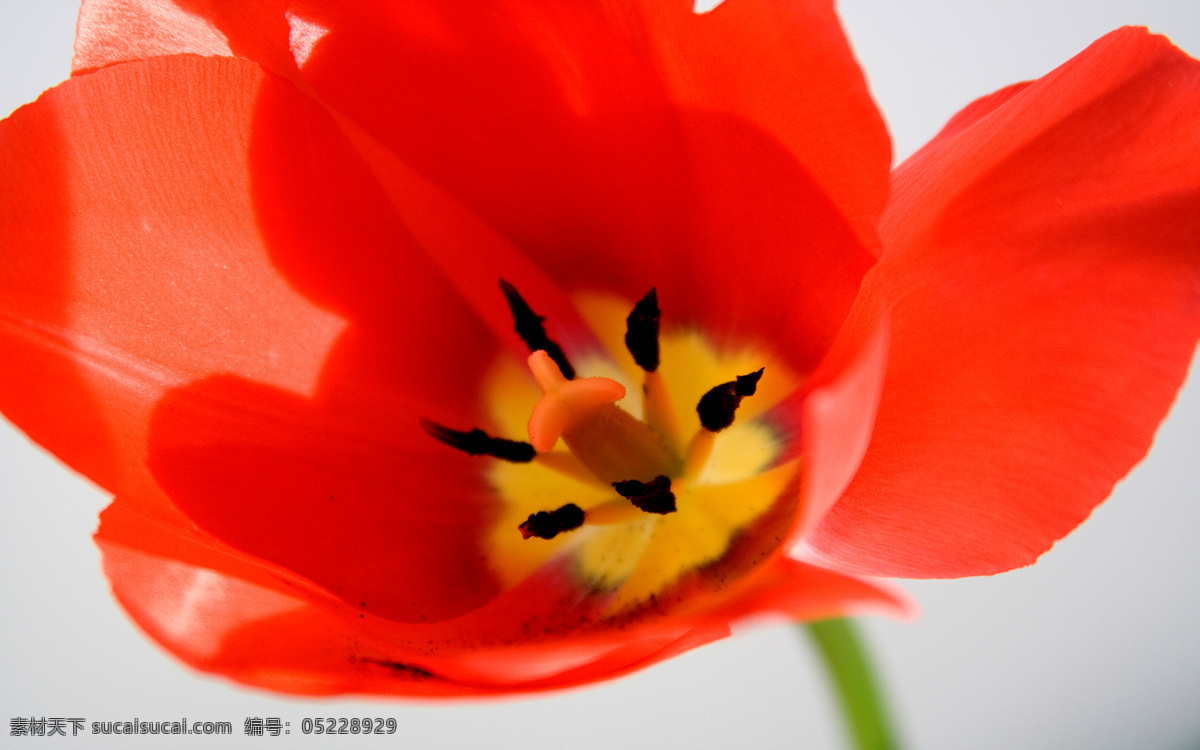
(252, 285)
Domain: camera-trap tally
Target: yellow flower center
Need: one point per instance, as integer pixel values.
(616, 423)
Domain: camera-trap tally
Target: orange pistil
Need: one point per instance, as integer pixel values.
(611, 443)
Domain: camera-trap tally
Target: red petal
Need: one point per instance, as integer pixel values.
(1043, 281)
(764, 255)
(294, 641)
(786, 67)
(820, 108)
(133, 260)
(352, 495)
(472, 255)
(555, 126)
(225, 612)
(153, 239)
(606, 173)
(833, 415)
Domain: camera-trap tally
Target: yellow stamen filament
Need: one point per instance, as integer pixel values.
(659, 413)
(698, 452)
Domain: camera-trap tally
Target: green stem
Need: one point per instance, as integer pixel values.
(850, 670)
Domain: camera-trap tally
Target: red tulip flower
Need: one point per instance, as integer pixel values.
(432, 350)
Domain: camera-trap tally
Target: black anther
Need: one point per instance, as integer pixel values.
(528, 326)
(476, 442)
(717, 407)
(549, 524)
(654, 496)
(641, 332)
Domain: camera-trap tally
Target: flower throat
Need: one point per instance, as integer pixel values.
(632, 503)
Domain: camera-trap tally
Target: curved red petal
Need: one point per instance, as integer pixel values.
(828, 423)
(554, 125)
(1042, 278)
(762, 254)
(141, 264)
(349, 494)
(583, 177)
(256, 460)
(225, 612)
(155, 236)
(816, 102)
(820, 108)
(251, 632)
(472, 254)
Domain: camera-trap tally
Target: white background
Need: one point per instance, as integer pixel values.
(1097, 646)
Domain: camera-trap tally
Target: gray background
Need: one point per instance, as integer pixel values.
(1097, 646)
